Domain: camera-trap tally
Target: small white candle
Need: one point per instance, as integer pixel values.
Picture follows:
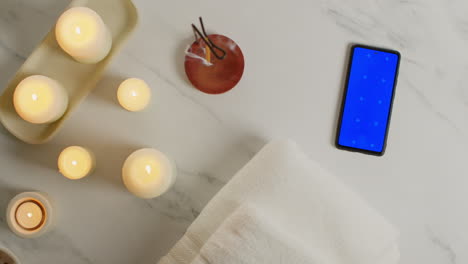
(29, 214)
(39, 99)
(82, 34)
(76, 162)
(148, 173)
(134, 94)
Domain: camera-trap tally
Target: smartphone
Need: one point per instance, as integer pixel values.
(368, 99)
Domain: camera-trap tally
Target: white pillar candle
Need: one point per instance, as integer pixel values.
(82, 34)
(39, 99)
(76, 162)
(30, 214)
(134, 94)
(148, 173)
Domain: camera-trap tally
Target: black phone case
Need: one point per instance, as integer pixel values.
(365, 151)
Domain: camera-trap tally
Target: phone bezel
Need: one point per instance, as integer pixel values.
(345, 92)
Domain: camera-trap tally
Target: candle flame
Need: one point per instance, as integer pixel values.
(78, 30)
(148, 169)
(35, 97)
(134, 93)
(74, 163)
(29, 215)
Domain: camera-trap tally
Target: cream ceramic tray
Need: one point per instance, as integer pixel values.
(78, 79)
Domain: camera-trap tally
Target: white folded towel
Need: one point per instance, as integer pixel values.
(315, 216)
(249, 236)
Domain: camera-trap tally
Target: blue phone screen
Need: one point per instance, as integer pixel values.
(368, 99)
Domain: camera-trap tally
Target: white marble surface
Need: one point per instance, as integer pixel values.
(295, 58)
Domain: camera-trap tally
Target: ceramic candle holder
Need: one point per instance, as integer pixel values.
(7, 257)
(30, 214)
(214, 63)
(49, 59)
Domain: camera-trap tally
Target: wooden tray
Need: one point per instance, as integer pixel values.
(50, 60)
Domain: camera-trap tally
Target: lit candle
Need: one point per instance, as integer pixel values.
(29, 214)
(39, 99)
(148, 173)
(82, 34)
(134, 94)
(76, 162)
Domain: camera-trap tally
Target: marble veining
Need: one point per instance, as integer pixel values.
(444, 246)
(431, 107)
(419, 185)
(175, 87)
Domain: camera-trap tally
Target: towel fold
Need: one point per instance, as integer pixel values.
(250, 237)
(301, 210)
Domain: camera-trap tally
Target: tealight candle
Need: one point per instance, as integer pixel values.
(148, 173)
(39, 99)
(134, 94)
(82, 34)
(76, 162)
(29, 214)
(7, 257)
